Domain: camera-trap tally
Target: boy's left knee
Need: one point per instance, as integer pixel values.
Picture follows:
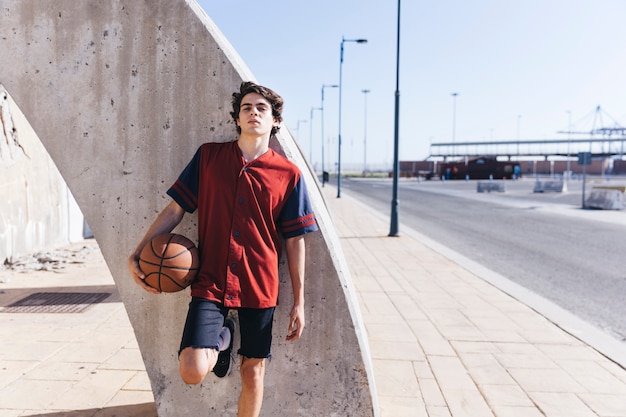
(252, 370)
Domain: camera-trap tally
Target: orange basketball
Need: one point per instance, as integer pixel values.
(170, 262)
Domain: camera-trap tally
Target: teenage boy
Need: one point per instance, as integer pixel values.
(248, 199)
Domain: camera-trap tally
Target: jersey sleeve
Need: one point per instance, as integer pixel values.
(297, 217)
(185, 190)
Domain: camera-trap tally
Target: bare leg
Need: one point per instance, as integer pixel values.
(252, 376)
(195, 364)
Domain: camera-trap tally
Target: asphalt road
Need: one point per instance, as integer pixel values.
(543, 241)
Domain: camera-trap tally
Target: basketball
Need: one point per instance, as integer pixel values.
(170, 262)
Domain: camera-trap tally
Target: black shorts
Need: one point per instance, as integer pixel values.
(205, 319)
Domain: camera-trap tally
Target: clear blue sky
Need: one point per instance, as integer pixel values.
(515, 65)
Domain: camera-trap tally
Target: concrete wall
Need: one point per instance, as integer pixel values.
(37, 210)
(122, 94)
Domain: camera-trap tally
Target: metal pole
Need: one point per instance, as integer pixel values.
(323, 167)
(298, 131)
(311, 134)
(519, 117)
(322, 109)
(584, 181)
(365, 130)
(339, 121)
(393, 228)
(454, 123)
(569, 143)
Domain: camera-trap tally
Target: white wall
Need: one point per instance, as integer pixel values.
(37, 210)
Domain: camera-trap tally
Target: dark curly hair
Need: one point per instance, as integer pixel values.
(274, 99)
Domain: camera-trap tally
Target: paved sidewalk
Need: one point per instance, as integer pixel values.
(444, 342)
(80, 364)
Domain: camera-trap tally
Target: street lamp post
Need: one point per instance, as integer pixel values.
(519, 118)
(322, 107)
(393, 227)
(454, 95)
(569, 142)
(298, 130)
(311, 134)
(365, 91)
(343, 40)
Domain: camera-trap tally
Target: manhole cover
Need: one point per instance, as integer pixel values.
(56, 302)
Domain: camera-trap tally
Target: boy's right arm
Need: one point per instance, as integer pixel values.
(165, 222)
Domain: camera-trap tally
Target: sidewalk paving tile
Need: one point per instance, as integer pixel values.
(396, 350)
(466, 403)
(431, 393)
(430, 339)
(93, 391)
(61, 371)
(486, 370)
(12, 370)
(545, 380)
(395, 406)
(561, 404)
(605, 405)
(124, 359)
(395, 378)
(33, 394)
(505, 395)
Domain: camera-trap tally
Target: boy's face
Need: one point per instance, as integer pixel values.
(255, 115)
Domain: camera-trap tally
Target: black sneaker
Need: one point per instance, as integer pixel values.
(224, 358)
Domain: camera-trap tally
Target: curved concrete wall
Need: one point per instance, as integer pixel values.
(121, 94)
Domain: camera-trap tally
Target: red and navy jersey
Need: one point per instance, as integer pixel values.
(243, 209)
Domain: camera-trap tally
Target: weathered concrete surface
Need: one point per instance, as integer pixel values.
(122, 94)
(605, 199)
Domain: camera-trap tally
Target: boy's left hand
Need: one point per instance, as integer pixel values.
(296, 323)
